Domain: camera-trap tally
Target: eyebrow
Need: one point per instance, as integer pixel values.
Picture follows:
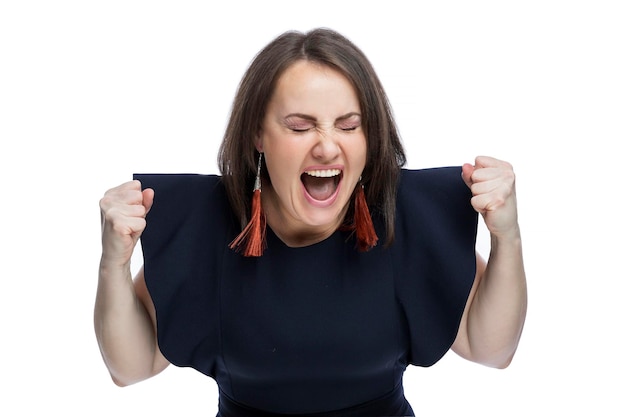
(311, 118)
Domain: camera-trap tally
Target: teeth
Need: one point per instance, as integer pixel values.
(324, 173)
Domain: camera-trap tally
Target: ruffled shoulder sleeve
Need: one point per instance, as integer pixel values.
(183, 246)
(434, 256)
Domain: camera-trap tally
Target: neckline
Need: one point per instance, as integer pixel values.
(274, 240)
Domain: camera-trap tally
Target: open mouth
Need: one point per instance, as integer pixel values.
(321, 184)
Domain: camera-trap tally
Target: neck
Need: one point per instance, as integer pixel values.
(293, 232)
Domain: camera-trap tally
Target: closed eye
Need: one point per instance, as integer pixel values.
(349, 122)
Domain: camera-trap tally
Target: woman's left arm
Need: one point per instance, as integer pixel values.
(496, 308)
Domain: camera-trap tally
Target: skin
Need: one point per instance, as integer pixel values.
(494, 316)
(312, 122)
(124, 316)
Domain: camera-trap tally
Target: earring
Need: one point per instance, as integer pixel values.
(251, 241)
(365, 232)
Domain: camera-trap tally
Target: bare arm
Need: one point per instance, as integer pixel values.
(123, 312)
(496, 309)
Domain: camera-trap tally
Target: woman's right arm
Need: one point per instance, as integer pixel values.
(124, 318)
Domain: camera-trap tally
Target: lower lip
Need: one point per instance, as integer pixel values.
(322, 204)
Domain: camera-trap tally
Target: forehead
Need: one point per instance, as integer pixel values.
(311, 82)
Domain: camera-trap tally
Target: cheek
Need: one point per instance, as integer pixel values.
(358, 150)
(283, 158)
(281, 169)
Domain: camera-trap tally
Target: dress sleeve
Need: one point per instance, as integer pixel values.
(434, 257)
(183, 243)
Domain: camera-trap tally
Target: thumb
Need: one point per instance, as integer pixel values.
(466, 172)
(148, 199)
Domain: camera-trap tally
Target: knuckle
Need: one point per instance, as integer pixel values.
(498, 201)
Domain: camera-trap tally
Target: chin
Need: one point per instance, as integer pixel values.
(324, 217)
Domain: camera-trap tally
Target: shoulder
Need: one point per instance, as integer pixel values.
(433, 192)
(187, 208)
(181, 185)
(426, 180)
(174, 193)
(434, 217)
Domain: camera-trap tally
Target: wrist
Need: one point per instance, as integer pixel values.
(113, 266)
(507, 244)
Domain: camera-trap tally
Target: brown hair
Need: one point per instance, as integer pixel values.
(385, 155)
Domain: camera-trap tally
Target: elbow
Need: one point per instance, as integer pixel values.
(502, 364)
(124, 380)
(498, 360)
(121, 382)
(497, 357)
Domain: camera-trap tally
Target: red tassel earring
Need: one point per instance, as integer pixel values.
(251, 241)
(365, 233)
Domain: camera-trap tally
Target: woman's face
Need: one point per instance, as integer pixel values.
(315, 150)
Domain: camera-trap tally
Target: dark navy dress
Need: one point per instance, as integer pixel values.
(324, 329)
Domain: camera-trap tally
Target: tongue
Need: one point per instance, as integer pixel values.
(319, 188)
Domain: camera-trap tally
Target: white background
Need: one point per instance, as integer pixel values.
(91, 92)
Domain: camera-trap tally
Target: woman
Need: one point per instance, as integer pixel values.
(313, 293)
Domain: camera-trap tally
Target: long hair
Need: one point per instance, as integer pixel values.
(237, 157)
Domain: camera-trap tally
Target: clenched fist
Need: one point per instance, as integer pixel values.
(123, 212)
(492, 183)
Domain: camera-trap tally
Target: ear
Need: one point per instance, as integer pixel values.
(258, 142)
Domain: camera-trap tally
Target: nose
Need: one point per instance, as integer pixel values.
(327, 147)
